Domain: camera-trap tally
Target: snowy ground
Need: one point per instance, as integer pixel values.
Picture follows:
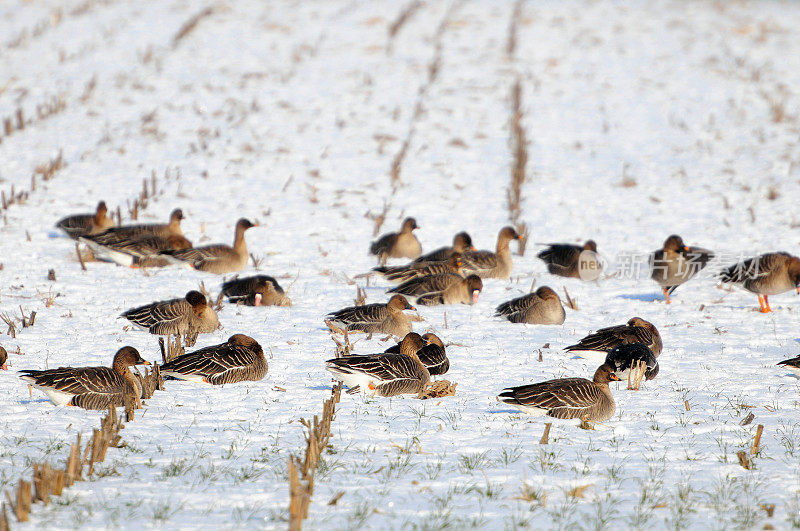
(643, 119)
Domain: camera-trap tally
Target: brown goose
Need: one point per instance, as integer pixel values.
(676, 263)
(258, 290)
(421, 269)
(487, 264)
(188, 317)
(401, 244)
(792, 364)
(144, 229)
(765, 275)
(85, 224)
(237, 360)
(375, 318)
(136, 250)
(567, 398)
(444, 288)
(89, 387)
(567, 260)
(3, 359)
(432, 355)
(540, 307)
(462, 242)
(219, 258)
(637, 330)
(384, 374)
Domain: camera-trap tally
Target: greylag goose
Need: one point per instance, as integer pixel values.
(676, 263)
(432, 355)
(89, 387)
(624, 357)
(567, 398)
(462, 242)
(487, 264)
(792, 364)
(637, 330)
(576, 261)
(237, 360)
(85, 224)
(765, 275)
(219, 258)
(3, 359)
(444, 288)
(375, 318)
(421, 269)
(401, 244)
(258, 290)
(188, 317)
(384, 374)
(540, 307)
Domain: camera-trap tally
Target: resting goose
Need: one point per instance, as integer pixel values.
(219, 258)
(86, 224)
(792, 364)
(576, 261)
(487, 264)
(540, 307)
(676, 263)
(444, 288)
(89, 387)
(188, 317)
(258, 290)
(462, 242)
(173, 227)
(432, 355)
(421, 269)
(384, 374)
(622, 359)
(567, 398)
(765, 275)
(237, 360)
(136, 250)
(375, 318)
(401, 244)
(3, 359)
(637, 330)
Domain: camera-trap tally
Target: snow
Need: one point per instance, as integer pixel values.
(292, 114)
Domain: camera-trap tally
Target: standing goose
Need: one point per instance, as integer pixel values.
(188, 317)
(567, 398)
(637, 330)
(258, 290)
(401, 244)
(623, 358)
(462, 242)
(432, 355)
(375, 318)
(237, 360)
(765, 275)
(444, 288)
(421, 269)
(89, 387)
(86, 224)
(567, 260)
(676, 263)
(384, 374)
(219, 258)
(487, 264)
(3, 359)
(540, 307)
(792, 364)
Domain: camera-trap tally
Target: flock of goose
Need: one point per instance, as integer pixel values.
(449, 275)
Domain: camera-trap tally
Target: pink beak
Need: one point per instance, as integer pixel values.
(258, 299)
(4, 367)
(475, 294)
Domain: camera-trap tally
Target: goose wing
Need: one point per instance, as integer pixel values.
(477, 261)
(383, 244)
(516, 306)
(217, 363)
(207, 252)
(72, 380)
(560, 254)
(564, 394)
(76, 225)
(607, 338)
(160, 316)
(429, 284)
(369, 313)
(383, 367)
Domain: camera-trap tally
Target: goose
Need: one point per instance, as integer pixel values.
(421, 269)
(188, 317)
(765, 275)
(444, 288)
(375, 318)
(136, 250)
(595, 346)
(89, 387)
(567, 398)
(462, 242)
(541, 307)
(432, 355)
(487, 264)
(258, 290)
(401, 244)
(86, 224)
(624, 357)
(159, 229)
(237, 360)
(219, 258)
(576, 261)
(384, 374)
(676, 263)
(792, 364)
(3, 359)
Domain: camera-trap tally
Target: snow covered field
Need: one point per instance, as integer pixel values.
(643, 119)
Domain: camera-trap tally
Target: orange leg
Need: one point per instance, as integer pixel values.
(666, 295)
(766, 304)
(761, 304)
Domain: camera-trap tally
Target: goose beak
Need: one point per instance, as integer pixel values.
(685, 248)
(798, 290)
(258, 299)
(4, 366)
(613, 377)
(145, 362)
(475, 294)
